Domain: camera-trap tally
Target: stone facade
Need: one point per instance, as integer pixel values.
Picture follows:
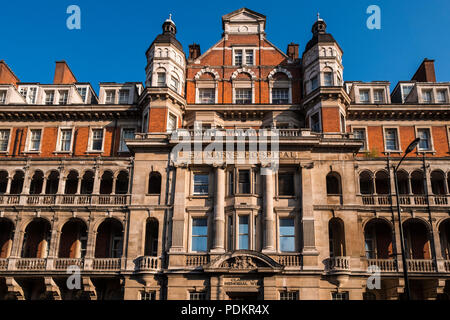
(89, 181)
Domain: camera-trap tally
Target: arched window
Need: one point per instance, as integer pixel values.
(417, 240)
(52, 183)
(36, 239)
(106, 183)
(336, 235)
(328, 77)
(417, 183)
(438, 183)
(366, 182)
(71, 182)
(334, 184)
(37, 182)
(382, 182)
(73, 240)
(122, 183)
(280, 86)
(87, 183)
(154, 183)
(378, 239)
(151, 237)
(444, 234)
(403, 182)
(161, 77)
(17, 183)
(109, 242)
(3, 181)
(6, 237)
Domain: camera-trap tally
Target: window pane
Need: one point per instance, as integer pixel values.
(314, 83)
(441, 96)
(3, 97)
(361, 135)
(206, 95)
(378, 96)
(82, 92)
(199, 234)
(391, 139)
(49, 97)
(66, 139)
(4, 140)
(364, 95)
(243, 233)
(97, 139)
(244, 181)
(285, 184)
(110, 96)
(424, 135)
(63, 96)
(328, 79)
(201, 183)
(243, 96)
(161, 79)
(426, 96)
(280, 95)
(287, 235)
(249, 57)
(123, 96)
(126, 134)
(35, 140)
(238, 57)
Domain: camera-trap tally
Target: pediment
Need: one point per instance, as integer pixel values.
(244, 261)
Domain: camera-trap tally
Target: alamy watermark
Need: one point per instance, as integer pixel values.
(374, 20)
(74, 20)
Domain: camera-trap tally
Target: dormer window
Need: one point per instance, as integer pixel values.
(426, 96)
(49, 97)
(3, 96)
(110, 96)
(83, 93)
(123, 96)
(63, 97)
(378, 96)
(441, 96)
(364, 96)
(405, 91)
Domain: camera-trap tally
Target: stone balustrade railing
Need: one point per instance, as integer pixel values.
(338, 264)
(420, 265)
(405, 200)
(385, 265)
(196, 260)
(106, 264)
(64, 263)
(3, 264)
(447, 265)
(64, 199)
(31, 264)
(147, 263)
(289, 260)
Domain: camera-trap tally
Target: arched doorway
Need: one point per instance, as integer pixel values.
(378, 239)
(336, 234)
(109, 241)
(73, 239)
(36, 239)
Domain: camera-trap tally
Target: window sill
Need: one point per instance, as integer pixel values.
(392, 151)
(152, 194)
(94, 151)
(31, 152)
(199, 196)
(62, 152)
(286, 197)
(426, 151)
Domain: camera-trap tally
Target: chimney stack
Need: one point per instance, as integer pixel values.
(6, 74)
(194, 51)
(292, 50)
(63, 74)
(426, 72)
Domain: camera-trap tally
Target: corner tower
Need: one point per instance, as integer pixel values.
(325, 99)
(163, 99)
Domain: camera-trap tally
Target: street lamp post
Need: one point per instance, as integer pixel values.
(410, 148)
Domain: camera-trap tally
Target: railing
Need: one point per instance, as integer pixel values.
(385, 265)
(338, 263)
(405, 200)
(416, 265)
(64, 263)
(196, 260)
(289, 260)
(106, 264)
(447, 266)
(3, 264)
(64, 199)
(31, 264)
(147, 263)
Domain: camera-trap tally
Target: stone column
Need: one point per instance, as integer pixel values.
(219, 211)
(269, 218)
(8, 186)
(179, 210)
(309, 250)
(44, 185)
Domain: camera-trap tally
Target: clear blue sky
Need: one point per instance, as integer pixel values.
(114, 35)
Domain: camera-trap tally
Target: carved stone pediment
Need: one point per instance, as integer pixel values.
(243, 261)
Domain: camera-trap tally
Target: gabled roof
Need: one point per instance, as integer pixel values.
(243, 15)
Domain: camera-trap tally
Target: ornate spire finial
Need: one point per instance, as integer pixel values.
(170, 16)
(318, 16)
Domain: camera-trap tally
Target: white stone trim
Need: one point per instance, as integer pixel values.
(279, 69)
(207, 70)
(241, 70)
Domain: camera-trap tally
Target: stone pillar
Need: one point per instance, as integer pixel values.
(61, 184)
(44, 185)
(179, 210)
(398, 245)
(269, 218)
(8, 186)
(309, 250)
(219, 211)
